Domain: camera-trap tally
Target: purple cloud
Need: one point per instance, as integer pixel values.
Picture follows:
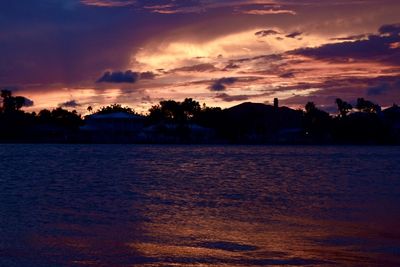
(69, 104)
(119, 77)
(294, 34)
(231, 98)
(377, 47)
(220, 84)
(264, 33)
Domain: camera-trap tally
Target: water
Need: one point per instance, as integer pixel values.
(128, 205)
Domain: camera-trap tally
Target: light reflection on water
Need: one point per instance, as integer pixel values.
(119, 205)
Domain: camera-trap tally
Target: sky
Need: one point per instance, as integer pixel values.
(80, 53)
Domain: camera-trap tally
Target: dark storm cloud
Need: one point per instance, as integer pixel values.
(217, 87)
(71, 41)
(220, 84)
(201, 6)
(264, 33)
(377, 47)
(348, 85)
(67, 42)
(198, 68)
(294, 34)
(390, 29)
(350, 38)
(70, 104)
(231, 66)
(378, 90)
(147, 75)
(287, 75)
(264, 58)
(125, 77)
(119, 77)
(47, 45)
(231, 98)
(385, 88)
(254, 7)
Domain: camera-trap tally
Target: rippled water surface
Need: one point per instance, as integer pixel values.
(128, 205)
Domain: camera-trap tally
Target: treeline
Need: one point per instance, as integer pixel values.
(365, 123)
(17, 125)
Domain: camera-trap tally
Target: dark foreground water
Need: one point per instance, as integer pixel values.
(127, 205)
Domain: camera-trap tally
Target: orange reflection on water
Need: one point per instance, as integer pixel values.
(205, 206)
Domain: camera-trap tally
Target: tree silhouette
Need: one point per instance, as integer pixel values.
(5, 93)
(173, 111)
(115, 108)
(310, 107)
(247, 122)
(12, 103)
(343, 107)
(316, 122)
(8, 103)
(367, 106)
(19, 102)
(210, 117)
(190, 108)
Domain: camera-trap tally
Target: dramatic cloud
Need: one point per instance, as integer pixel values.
(231, 66)
(232, 98)
(173, 49)
(249, 7)
(119, 77)
(108, 3)
(350, 38)
(220, 85)
(294, 35)
(392, 29)
(69, 104)
(198, 68)
(375, 47)
(378, 90)
(264, 33)
(268, 11)
(125, 77)
(287, 75)
(147, 75)
(384, 88)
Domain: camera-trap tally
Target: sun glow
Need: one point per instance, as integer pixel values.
(87, 97)
(168, 54)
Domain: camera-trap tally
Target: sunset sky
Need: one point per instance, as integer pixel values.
(76, 53)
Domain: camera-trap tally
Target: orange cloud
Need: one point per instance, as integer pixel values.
(268, 11)
(108, 3)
